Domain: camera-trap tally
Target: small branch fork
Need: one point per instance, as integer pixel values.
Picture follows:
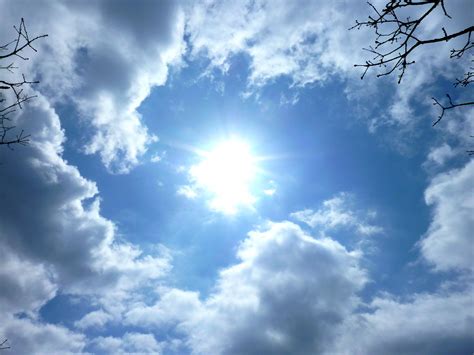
(21, 42)
(448, 107)
(397, 39)
(14, 89)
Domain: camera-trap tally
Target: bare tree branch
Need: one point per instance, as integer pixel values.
(467, 79)
(398, 37)
(12, 93)
(449, 107)
(20, 45)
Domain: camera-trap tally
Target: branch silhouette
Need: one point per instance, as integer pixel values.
(397, 38)
(12, 93)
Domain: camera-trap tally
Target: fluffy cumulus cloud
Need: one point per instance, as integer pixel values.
(23, 291)
(95, 319)
(51, 226)
(448, 242)
(50, 218)
(337, 212)
(104, 56)
(174, 305)
(293, 293)
(59, 221)
(288, 294)
(104, 60)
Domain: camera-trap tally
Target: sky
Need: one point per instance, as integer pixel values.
(214, 177)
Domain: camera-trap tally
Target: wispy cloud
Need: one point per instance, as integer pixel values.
(337, 212)
(187, 191)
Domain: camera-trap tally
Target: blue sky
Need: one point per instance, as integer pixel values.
(214, 178)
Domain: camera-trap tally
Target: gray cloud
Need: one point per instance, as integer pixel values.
(293, 294)
(288, 294)
(51, 214)
(23, 291)
(105, 57)
(54, 238)
(50, 221)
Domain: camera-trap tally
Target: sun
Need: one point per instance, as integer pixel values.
(227, 173)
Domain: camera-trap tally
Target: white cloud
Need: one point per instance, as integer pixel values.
(96, 319)
(27, 336)
(104, 56)
(448, 242)
(174, 306)
(23, 291)
(292, 293)
(50, 224)
(271, 189)
(288, 293)
(187, 191)
(337, 212)
(438, 323)
(136, 343)
(66, 232)
(156, 158)
(280, 38)
(441, 154)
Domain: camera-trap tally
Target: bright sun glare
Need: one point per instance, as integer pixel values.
(227, 173)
